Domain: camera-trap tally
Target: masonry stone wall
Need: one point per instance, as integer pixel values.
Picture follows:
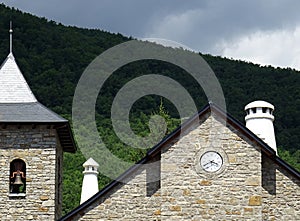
(281, 193)
(195, 194)
(240, 190)
(37, 146)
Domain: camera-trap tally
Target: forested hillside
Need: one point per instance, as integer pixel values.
(52, 58)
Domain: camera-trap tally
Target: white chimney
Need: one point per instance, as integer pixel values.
(90, 180)
(259, 120)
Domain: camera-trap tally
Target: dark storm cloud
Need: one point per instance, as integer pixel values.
(227, 20)
(203, 25)
(202, 22)
(131, 17)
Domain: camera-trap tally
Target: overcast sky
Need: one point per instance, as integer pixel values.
(261, 31)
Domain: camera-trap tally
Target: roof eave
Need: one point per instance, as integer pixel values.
(63, 129)
(66, 137)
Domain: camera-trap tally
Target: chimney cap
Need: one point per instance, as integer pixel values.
(259, 103)
(90, 162)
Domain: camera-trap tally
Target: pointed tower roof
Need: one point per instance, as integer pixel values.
(14, 88)
(18, 104)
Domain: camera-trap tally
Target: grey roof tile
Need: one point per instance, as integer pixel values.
(28, 113)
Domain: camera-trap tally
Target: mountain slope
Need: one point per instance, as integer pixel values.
(52, 58)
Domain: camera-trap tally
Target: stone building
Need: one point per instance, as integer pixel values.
(210, 168)
(32, 140)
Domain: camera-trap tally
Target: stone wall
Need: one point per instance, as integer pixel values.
(240, 190)
(281, 193)
(192, 193)
(37, 147)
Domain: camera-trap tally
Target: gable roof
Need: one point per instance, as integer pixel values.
(18, 104)
(152, 153)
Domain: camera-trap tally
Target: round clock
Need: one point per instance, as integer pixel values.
(211, 161)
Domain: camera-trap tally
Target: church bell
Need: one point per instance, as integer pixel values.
(18, 180)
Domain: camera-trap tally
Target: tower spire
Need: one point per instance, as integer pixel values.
(10, 37)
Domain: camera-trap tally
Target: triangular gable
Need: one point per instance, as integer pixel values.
(156, 150)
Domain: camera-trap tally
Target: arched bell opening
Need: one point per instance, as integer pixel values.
(17, 176)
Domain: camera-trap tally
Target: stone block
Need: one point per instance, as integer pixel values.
(254, 201)
(157, 213)
(48, 203)
(253, 181)
(175, 208)
(248, 210)
(205, 182)
(30, 217)
(43, 198)
(231, 158)
(186, 192)
(43, 209)
(233, 201)
(200, 201)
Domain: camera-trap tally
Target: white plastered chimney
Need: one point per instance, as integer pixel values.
(259, 120)
(90, 180)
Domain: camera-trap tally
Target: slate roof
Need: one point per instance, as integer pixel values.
(18, 105)
(14, 88)
(28, 113)
(155, 151)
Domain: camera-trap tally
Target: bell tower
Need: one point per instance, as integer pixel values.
(32, 141)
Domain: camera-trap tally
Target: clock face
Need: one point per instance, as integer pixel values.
(211, 161)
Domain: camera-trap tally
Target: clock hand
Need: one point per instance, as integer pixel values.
(207, 164)
(207, 167)
(210, 162)
(213, 162)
